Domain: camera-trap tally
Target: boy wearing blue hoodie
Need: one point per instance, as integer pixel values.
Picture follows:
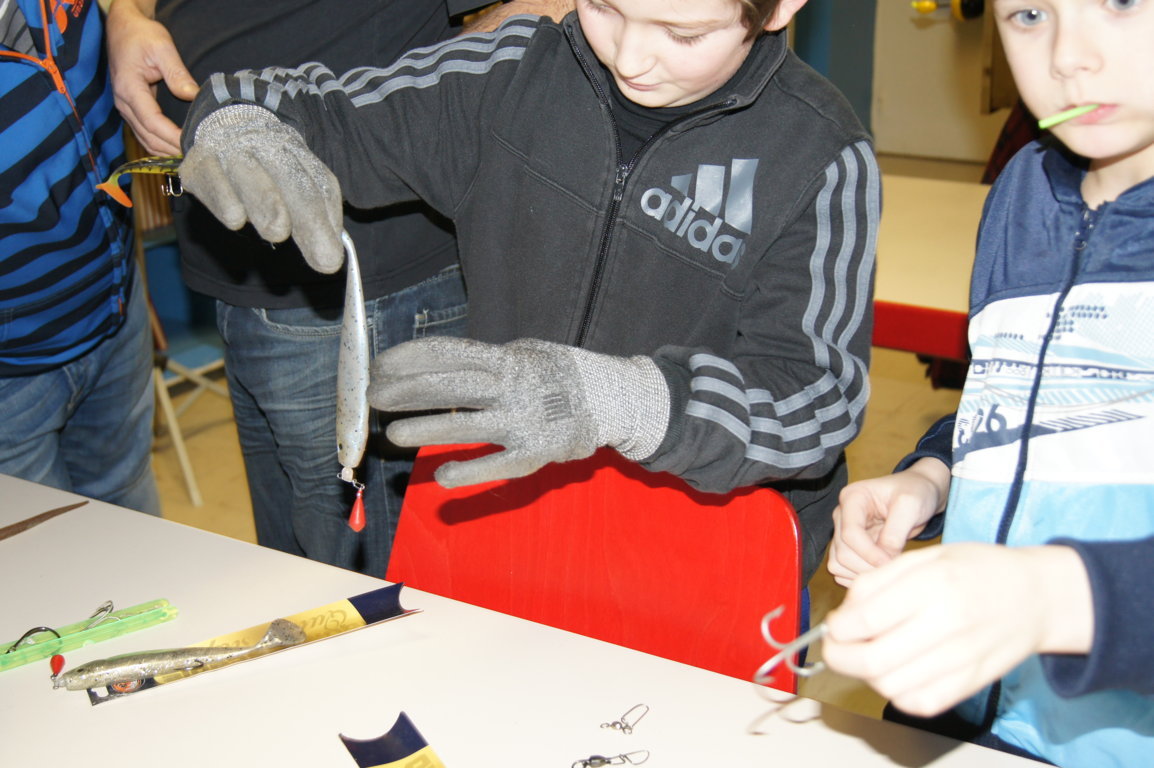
(1033, 621)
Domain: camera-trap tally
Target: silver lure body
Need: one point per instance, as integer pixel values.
(352, 369)
(140, 666)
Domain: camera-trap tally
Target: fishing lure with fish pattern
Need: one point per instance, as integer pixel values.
(138, 667)
(168, 165)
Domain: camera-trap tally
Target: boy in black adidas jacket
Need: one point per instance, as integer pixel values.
(666, 222)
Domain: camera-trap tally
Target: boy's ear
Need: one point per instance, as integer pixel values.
(783, 14)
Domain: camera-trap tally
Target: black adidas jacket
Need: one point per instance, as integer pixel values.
(736, 248)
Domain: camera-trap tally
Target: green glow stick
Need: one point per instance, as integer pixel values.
(1069, 114)
(78, 635)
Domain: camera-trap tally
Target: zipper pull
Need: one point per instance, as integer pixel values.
(57, 78)
(1089, 218)
(619, 183)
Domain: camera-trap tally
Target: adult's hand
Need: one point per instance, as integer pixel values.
(491, 18)
(141, 54)
(938, 624)
(875, 518)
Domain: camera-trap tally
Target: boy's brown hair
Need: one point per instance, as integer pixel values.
(755, 13)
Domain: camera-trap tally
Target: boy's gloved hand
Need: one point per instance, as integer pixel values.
(246, 165)
(543, 402)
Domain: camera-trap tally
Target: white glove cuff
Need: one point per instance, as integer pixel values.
(231, 116)
(629, 401)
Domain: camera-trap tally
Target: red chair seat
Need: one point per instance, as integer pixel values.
(607, 549)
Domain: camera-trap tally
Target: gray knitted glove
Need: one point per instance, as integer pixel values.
(543, 402)
(246, 165)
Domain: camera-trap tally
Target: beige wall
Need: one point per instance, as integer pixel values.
(927, 88)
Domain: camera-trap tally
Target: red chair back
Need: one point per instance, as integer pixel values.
(607, 549)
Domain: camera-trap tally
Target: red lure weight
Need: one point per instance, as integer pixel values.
(357, 516)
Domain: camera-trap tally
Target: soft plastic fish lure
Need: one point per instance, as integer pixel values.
(169, 165)
(353, 382)
(148, 664)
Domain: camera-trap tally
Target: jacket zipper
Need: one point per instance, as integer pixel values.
(1081, 240)
(48, 64)
(624, 169)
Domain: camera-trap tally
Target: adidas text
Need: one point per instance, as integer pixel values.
(685, 219)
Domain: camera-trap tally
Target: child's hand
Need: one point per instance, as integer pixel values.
(875, 518)
(938, 624)
(246, 165)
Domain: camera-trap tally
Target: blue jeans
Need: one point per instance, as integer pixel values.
(282, 370)
(86, 427)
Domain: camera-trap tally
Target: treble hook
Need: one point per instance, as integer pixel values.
(788, 651)
(168, 165)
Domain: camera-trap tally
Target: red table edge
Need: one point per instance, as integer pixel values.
(931, 332)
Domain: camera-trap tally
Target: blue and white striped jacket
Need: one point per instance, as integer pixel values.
(1062, 344)
(64, 266)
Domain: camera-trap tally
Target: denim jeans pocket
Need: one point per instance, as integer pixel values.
(440, 322)
(443, 306)
(301, 322)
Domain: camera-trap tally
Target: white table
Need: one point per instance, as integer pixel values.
(925, 255)
(484, 689)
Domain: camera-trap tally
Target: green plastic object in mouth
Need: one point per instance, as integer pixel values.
(1069, 114)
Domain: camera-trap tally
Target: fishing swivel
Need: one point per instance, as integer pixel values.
(629, 758)
(630, 719)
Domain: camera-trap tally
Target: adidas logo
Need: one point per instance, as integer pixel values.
(698, 217)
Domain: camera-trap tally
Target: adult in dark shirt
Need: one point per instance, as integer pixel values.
(279, 319)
